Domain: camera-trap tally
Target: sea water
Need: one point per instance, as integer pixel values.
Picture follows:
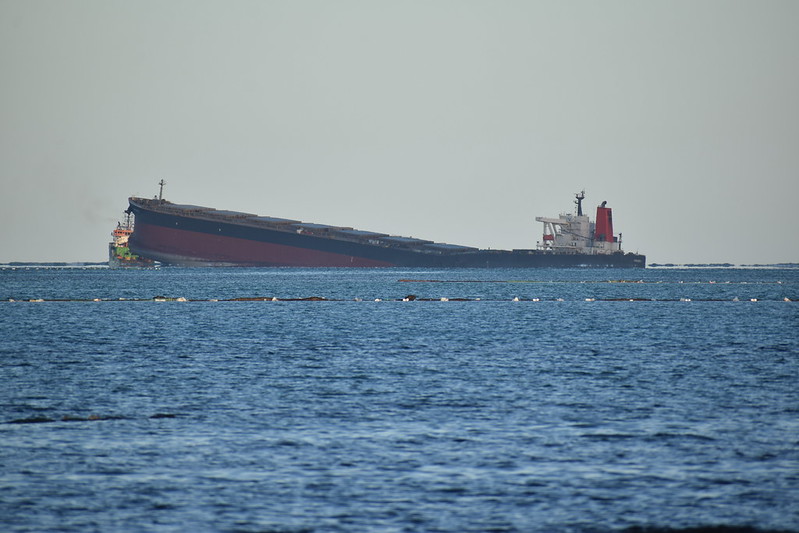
(398, 400)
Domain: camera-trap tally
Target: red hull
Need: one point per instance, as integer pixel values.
(190, 247)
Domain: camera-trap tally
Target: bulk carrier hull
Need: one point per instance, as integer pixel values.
(188, 235)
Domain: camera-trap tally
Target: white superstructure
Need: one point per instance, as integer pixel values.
(570, 233)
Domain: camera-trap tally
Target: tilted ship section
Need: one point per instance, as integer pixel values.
(192, 235)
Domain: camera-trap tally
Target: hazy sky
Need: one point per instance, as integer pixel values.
(458, 121)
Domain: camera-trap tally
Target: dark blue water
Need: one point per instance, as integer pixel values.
(582, 411)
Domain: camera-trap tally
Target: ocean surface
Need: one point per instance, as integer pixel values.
(319, 400)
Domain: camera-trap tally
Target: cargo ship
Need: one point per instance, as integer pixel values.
(192, 235)
(119, 254)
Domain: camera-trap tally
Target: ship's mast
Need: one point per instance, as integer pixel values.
(128, 220)
(161, 190)
(580, 196)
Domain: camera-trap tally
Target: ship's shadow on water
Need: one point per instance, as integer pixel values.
(505, 400)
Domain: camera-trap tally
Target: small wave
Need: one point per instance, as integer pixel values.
(609, 436)
(73, 418)
(694, 436)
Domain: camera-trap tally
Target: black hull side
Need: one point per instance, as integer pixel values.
(537, 259)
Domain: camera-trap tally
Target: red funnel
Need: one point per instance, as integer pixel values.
(604, 224)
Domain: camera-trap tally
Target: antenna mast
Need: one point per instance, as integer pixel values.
(579, 201)
(161, 191)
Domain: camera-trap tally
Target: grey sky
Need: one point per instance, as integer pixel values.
(458, 121)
